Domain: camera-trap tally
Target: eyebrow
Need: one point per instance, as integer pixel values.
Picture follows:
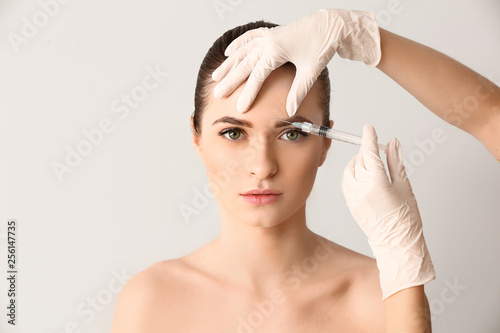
(245, 123)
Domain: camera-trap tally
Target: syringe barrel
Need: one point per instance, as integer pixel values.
(338, 135)
(334, 134)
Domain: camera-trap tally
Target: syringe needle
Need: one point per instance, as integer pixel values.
(283, 121)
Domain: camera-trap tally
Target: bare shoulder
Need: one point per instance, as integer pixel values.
(364, 295)
(366, 287)
(361, 268)
(143, 296)
(158, 276)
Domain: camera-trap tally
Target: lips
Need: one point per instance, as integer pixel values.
(261, 192)
(261, 196)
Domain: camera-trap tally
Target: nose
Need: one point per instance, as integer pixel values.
(262, 162)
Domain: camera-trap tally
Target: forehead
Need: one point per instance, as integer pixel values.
(269, 103)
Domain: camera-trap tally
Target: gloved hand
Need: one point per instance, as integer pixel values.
(309, 43)
(387, 213)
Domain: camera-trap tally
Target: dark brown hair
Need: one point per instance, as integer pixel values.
(215, 56)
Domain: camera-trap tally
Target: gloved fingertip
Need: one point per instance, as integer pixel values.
(399, 149)
(391, 150)
(241, 105)
(290, 108)
(218, 91)
(391, 146)
(369, 131)
(215, 75)
(369, 139)
(395, 162)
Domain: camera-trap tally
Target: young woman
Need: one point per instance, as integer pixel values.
(267, 272)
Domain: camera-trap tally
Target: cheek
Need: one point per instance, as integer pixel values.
(306, 155)
(213, 157)
(219, 154)
(222, 164)
(300, 164)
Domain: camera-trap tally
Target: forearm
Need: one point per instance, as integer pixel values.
(407, 311)
(452, 91)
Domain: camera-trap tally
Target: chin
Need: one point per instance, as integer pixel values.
(265, 217)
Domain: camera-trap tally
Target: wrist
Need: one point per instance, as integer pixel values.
(403, 268)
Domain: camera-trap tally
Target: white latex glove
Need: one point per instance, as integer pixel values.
(309, 43)
(387, 213)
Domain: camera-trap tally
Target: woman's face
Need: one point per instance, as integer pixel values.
(249, 151)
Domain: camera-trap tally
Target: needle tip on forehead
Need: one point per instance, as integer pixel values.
(283, 121)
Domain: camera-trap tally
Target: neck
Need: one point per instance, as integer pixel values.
(260, 257)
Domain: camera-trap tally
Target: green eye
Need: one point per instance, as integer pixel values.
(232, 134)
(293, 135)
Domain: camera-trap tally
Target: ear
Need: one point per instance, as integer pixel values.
(195, 137)
(326, 145)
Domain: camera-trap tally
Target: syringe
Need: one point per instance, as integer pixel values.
(330, 133)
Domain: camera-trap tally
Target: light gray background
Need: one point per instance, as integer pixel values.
(118, 211)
